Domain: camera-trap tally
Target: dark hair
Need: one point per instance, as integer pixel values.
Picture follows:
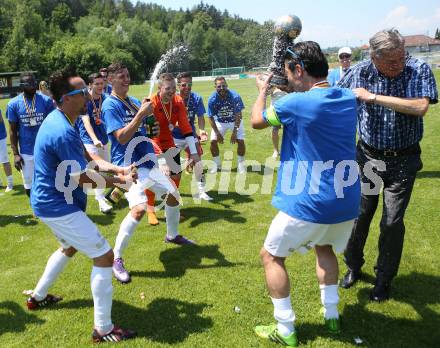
(26, 75)
(92, 77)
(218, 78)
(59, 83)
(115, 68)
(184, 75)
(103, 70)
(312, 58)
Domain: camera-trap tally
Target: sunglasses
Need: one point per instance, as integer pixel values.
(344, 56)
(221, 86)
(185, 84)
(28, 84)
(84, 91)
(295, 56)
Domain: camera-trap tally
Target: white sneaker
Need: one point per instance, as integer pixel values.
(9, 188)
(203, 195)
(215, 169)
(275, 154)
(104, 207)
(241, 168)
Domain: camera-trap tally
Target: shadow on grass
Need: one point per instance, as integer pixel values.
(177, 261)
(203, 215)
(428, 174)
(164, 320)
(102, 219)
(385, 324)
(23, 220)
(14, 319)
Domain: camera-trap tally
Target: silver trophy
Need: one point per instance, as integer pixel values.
(286, 29)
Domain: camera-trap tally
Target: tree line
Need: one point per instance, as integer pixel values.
(45, 35)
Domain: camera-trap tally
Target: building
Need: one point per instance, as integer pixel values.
(416, 44)
(10, 83)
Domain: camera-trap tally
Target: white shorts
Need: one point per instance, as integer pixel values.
(154, 180)
(27, 171)
(78, 231)
(288, 234)
(224, 127)
(180, 143)
(100, 151)
(4, 158)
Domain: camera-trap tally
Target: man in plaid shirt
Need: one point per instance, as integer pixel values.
(394, 91)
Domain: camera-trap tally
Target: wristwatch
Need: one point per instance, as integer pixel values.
(372, 98)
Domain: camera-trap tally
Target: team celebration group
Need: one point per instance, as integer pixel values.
(70, 136)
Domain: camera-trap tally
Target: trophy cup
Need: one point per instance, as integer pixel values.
(286, 29)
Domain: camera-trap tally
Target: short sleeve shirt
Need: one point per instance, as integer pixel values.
(58, 153)
(29, 114)
(96, 121)
(194, 107)
(224, 110)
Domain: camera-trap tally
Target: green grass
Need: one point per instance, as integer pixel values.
(190, 293)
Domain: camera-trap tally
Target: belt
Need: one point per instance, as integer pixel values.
(411, 150)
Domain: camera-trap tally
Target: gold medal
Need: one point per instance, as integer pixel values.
(30, 111)
(168, 114)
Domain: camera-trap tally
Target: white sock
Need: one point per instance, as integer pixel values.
(128, 225)
(216, 160)
(173, 217)
(102, 291)
(330, 300)
(99, 194)
(241, 159)
(55, 265)
(10, 180)
(201, 186)
(284, 315)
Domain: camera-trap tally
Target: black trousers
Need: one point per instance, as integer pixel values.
(398, 181)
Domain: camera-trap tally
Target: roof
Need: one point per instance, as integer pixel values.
(420, 40)
(16, 73)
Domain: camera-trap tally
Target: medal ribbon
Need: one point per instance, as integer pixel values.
(321, 84)
(133, 108)
(168, 115)
(31, 110)
(96, 111)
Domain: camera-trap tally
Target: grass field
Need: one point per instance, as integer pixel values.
(190, 293)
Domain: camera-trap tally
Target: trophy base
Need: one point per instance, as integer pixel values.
(278, 81)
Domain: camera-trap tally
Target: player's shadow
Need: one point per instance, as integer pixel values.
(18, 190)
(102, 219)
(426, 174)
(176, 261)
(23, 220)
(164, 320)
(204, 215)
(14, 319)
(386, 325)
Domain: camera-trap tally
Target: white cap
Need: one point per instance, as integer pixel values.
(346, 50)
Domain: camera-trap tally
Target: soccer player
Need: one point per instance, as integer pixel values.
(224, 112)
(107, 85)
(93, 133)
(194, 107)
(170, 111)
(124, 117)
(4, 158)
(25, 114)
(59, 159)
(318, 189)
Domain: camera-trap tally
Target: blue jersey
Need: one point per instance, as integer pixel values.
(117, 115)
(2, 127)
(29, 116)
(194, 107)
(318, 155)
(224, 110)
(334, 76)
(96, 121)
(108, 89)
(52, 192)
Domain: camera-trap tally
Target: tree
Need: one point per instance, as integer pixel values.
(437, 34)
(62, 17)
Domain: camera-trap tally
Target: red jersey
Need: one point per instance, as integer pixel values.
(169, 116)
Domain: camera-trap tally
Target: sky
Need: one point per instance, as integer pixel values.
(334, 23)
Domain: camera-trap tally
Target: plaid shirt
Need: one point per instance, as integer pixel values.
(381, 127)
